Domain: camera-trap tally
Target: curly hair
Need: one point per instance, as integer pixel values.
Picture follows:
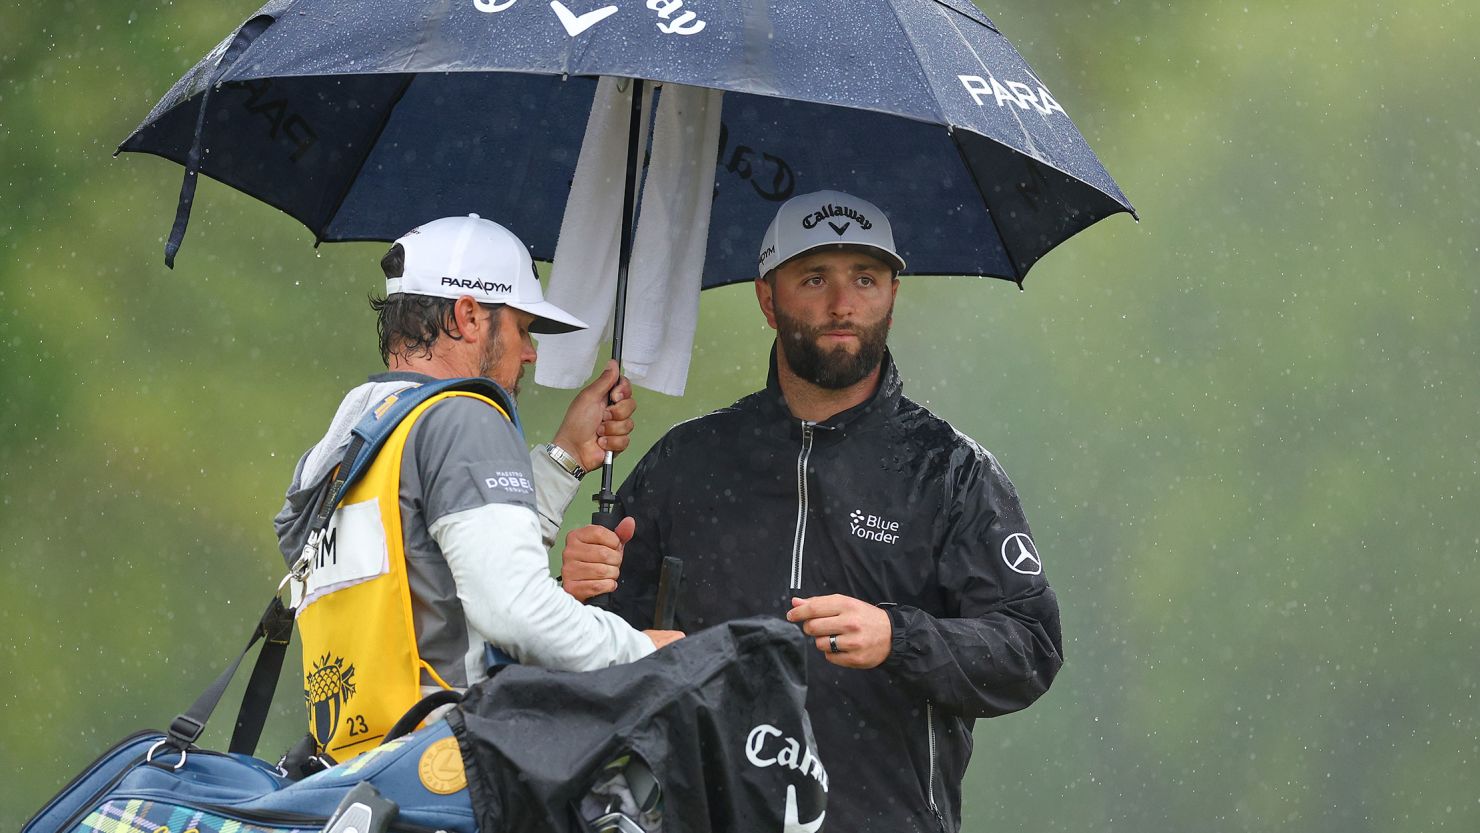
(410, 324)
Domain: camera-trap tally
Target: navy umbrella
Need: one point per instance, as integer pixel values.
(363, 120)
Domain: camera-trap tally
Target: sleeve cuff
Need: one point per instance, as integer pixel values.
(900, 650)
(554, 489)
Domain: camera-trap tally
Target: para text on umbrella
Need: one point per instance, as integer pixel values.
(282, 120)
(1021, 94)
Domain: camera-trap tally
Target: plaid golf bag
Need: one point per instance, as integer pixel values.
(416, 783)
(709, 734)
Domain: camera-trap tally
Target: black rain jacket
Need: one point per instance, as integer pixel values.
(885, 502)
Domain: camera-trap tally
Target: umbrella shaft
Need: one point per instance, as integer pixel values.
(629, 207)
(606, 498)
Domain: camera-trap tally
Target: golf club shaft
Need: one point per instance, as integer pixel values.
(670, 579)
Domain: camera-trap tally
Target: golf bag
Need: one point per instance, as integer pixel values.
(144, 786)
(709, 734)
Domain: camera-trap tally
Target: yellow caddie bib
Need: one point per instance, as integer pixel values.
(361, 667)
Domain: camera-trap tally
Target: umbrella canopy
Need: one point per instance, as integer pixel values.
(363, 120)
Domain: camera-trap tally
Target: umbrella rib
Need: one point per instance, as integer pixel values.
(349, 183)
(988, 21)
(928, 82)
(1017, 275)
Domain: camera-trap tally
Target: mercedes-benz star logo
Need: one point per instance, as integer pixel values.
(1020, 556)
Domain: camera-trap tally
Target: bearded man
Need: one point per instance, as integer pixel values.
(895, 541)
(436, 567)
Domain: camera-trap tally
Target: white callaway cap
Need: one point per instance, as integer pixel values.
(457, 256)
(826, 219)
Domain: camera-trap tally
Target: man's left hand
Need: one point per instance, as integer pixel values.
(861, 632)
(593, 427)
(592, 560)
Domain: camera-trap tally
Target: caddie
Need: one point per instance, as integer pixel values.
(435, 564)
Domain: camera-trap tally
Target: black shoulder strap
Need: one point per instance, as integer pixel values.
(276, 624)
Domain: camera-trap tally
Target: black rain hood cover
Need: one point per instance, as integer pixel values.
(718, 717)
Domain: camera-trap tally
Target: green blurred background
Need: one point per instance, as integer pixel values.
(1245, 429)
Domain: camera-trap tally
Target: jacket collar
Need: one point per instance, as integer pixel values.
(402, 376)
(877, 408)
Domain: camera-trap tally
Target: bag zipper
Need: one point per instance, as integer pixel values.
(930, 783)
(801, 530)
(91, 804)
(312, 822)
(279, 818)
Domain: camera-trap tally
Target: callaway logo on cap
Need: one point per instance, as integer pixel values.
(824, 219)
(457, 256)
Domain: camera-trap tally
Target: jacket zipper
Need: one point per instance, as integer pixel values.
(801, 531)
(930, 784)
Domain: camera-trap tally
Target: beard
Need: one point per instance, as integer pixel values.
(837, 368)
(492, 354)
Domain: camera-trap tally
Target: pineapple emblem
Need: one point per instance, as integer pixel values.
(329, 686)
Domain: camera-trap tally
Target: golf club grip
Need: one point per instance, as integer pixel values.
(606, 519)
(669, 580)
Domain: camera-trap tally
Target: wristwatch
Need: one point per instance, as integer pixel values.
(565, 460)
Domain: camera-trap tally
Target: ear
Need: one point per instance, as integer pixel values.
(893, 295)
(765, 293)
(465, 312)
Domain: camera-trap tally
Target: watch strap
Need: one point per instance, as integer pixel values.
(565, 460)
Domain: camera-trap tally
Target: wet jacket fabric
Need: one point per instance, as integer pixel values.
(887, 503)
(718, 718)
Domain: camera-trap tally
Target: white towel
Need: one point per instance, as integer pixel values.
(672, 236)
(583, 280)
